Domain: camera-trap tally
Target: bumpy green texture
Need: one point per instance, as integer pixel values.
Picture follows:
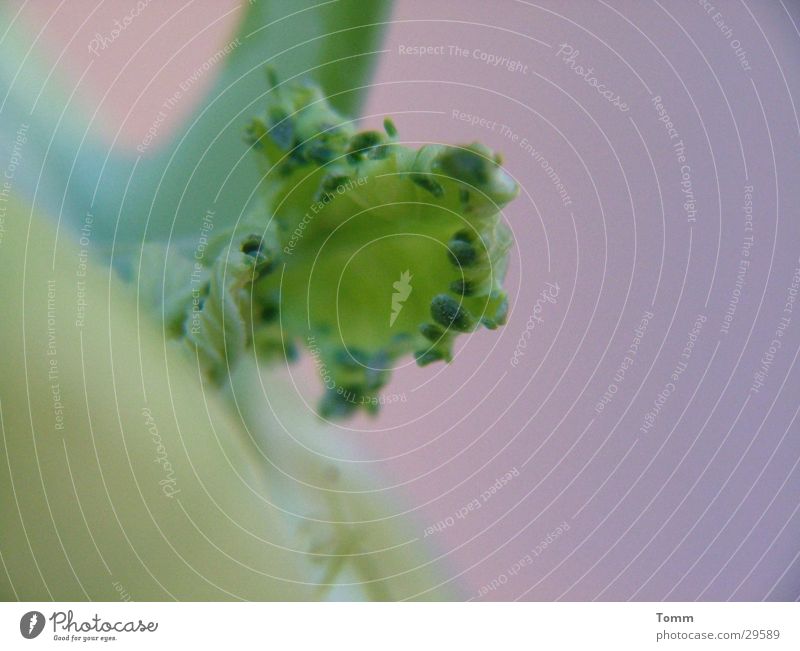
(365, 251)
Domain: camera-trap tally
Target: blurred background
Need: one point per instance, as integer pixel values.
(632, 432)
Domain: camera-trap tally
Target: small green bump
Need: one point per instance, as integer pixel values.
(389, 127)
(425, 357)
(295, 159)
(447, 312)
(466, 165)
(463, 195)
(431, 332)
(336, 405)
(462, 254)
(329, 185)
(320, 152)
(462, 287)
(464, 236)
(428, 184)
(269, 312)
(363, 145)
(365, 139)
(327, 145)
(252, 246)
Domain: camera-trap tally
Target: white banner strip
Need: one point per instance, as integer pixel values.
(463, 626)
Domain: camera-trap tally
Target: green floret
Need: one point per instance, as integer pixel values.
(364, 251)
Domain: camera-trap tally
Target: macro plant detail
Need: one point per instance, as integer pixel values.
(342, 214)
(341, 300)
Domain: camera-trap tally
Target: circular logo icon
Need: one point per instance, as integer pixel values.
(31, 624)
